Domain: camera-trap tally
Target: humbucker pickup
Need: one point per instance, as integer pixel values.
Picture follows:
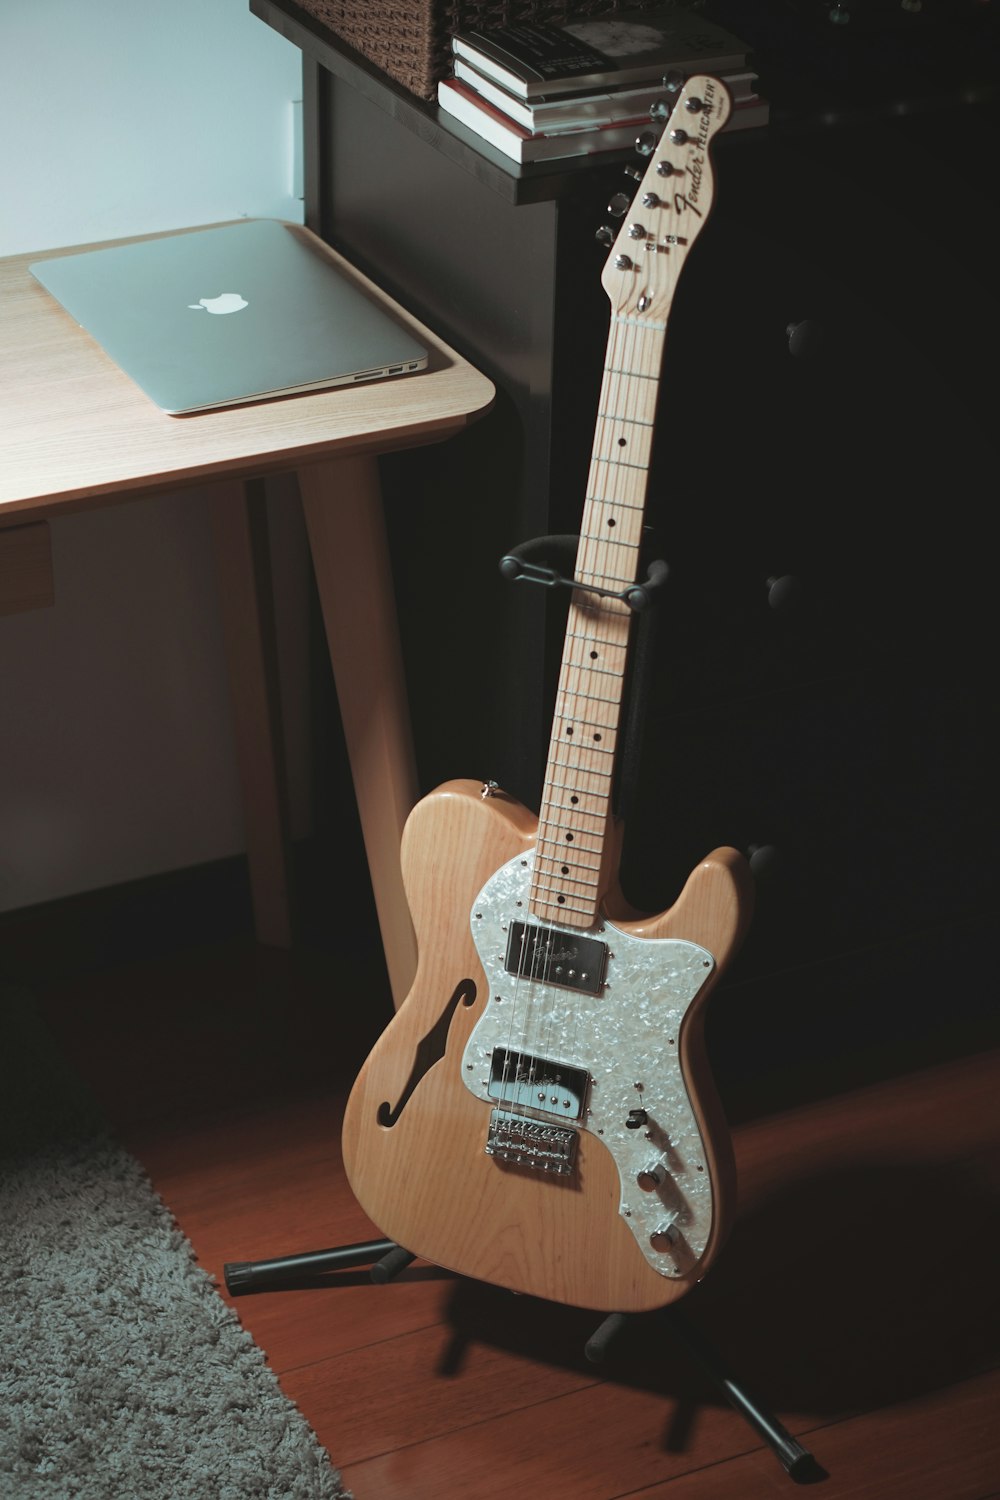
(556, 957)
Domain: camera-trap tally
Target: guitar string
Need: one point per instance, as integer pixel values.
(620, 497)
(577, 693)
(594, 627)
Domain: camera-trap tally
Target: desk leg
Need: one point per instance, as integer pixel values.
(342, 501)
(239, 527)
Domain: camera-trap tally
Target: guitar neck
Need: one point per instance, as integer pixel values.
(675, 196)
(568, 877)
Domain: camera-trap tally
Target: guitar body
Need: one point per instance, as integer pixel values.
(552, 1175)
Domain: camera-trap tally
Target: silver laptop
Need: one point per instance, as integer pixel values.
(219, 317)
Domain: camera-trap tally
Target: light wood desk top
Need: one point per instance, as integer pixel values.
(75, 430)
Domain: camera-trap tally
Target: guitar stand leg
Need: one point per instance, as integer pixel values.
(248, 1276)
(796, 1460)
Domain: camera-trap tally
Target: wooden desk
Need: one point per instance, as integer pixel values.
(76, 433)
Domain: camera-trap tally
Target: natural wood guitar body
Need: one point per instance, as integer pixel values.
(414, 1133)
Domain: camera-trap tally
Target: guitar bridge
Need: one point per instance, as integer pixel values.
(531, 1143)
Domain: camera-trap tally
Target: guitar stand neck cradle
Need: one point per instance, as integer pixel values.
(536, 562)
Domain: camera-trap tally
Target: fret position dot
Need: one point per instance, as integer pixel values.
(597, 736)
(612, 522)
(561, 900)
(593, 655)
(574, 799)
(621, 442)
(569, 838)
(570, 729)
(564, 869)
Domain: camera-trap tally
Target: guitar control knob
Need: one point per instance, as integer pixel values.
(652, 1177)
(619, 205)
(664, 1237)
(636, 1119)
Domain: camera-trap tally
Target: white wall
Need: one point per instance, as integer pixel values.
(122, 117)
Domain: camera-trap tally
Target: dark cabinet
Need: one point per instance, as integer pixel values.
(823, 477)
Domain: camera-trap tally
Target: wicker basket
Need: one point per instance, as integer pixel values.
(410, 40)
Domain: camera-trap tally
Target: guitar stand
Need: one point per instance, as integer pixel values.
(384, 1257)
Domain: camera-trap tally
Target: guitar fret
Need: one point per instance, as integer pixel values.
(578, 693)
(619, 463)
(572, 757)
(588, 666)
(568, 915)
(576, 811)
(632, 374)
(553, 879)
(624, 504)
(615, 416)
(557, 885)
(580, 788)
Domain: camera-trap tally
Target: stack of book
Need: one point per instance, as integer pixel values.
(540, 92)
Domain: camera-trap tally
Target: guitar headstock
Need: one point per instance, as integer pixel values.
(672, 203)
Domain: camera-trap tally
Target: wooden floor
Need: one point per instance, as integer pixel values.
(856, 1299)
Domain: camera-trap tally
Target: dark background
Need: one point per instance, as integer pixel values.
(843, 735)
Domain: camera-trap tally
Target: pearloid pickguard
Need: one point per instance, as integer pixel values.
(628, 1040)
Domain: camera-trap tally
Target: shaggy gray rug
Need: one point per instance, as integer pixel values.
(123, 1373)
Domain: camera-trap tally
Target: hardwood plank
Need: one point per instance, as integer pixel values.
(256, 1187)
(945, 1445)
(423, 1387)
(590, 1444)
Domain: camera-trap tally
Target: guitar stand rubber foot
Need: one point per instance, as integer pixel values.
(596, 1346)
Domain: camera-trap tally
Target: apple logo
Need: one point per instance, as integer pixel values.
(227, 302)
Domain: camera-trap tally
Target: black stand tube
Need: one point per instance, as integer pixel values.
(797, 1461)
(249, 1276)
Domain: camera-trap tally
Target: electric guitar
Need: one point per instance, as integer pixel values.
(539, 1114)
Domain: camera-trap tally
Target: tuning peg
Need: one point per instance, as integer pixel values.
(672, 81)
(619, 205)
(635, 173)
(646, 143)
(605, 235)
(659, 110)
